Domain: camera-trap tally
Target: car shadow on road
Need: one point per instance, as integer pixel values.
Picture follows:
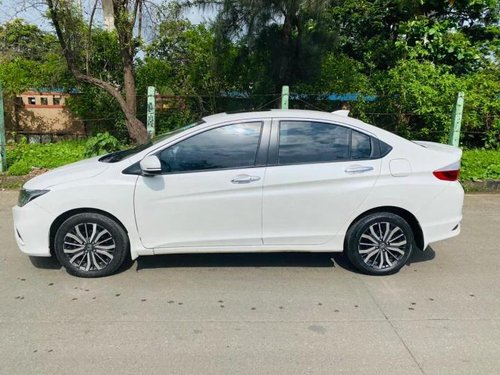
(45, 263)
(283, 259)
(279, 259)
(203, 260)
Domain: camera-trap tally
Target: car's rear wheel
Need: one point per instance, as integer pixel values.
(91, 245)
(380, 243)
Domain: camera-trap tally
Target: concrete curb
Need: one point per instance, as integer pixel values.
(486, 186)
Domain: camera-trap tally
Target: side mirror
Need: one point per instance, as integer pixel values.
(150, 165)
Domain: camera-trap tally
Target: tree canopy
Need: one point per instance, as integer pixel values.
(412, 57)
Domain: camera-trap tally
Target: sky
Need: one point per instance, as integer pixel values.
(32, 11)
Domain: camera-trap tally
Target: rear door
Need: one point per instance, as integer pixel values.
(319, 173)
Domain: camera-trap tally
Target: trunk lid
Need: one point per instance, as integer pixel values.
(448, 149)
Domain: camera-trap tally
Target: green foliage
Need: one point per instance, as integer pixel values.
(101, 143)
(30, 58)
(480, 165)
(23, 157)
(420, 95)
(413, 56)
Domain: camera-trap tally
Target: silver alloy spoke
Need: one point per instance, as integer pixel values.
(102, 233)
(369, 238)
(397, 237)
(94, 261)
(76, 256)
(72, 251)
(372, 231)
(394, 231)
(396, 249)
(105, 262)
(379, 255)
(387, 259)
(372, 254)
(392, 254)
(108, 247)
(387, 230)
(380, 231)
(73, 243)
(79, 234)
(77, 239)
(364, 251)
(102, 252)
(398, 244)
(87, 267)
(92, 234)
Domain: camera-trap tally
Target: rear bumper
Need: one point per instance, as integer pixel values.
(31, 229)
(441, 218)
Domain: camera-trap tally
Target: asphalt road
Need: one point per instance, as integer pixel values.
(293, 313)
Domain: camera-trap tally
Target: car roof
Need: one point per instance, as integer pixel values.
(338, 117)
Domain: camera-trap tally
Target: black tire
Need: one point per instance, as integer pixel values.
(372, 248)
(109, 238)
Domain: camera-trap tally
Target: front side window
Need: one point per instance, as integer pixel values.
(230, 146)
(312, 142)
(31, 100)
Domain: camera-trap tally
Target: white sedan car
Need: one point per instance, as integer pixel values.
(280, 180)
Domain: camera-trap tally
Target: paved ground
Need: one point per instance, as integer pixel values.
(262, 314)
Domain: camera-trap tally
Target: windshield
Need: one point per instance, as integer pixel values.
(124, 154)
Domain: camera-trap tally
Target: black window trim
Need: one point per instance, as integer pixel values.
(275, 137)
(260, 158)
(267, 150)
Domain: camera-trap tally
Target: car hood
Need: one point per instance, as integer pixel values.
(72, 172)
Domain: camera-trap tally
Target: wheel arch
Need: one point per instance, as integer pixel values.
(405, 214)
(66, 215)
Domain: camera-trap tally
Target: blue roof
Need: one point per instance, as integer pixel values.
(347, 97)
(60, 90)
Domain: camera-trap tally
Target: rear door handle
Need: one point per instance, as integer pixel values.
(358, 169)
(244, 179)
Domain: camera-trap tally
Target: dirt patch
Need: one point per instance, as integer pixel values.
(16, 182)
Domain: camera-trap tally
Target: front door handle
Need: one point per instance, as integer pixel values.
(244, 179)
(358, 169)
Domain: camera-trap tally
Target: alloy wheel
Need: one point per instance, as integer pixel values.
(382, 245)
(89, 247)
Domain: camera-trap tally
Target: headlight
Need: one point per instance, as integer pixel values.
(26, 196)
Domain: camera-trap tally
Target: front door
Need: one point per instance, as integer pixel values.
(209, 194)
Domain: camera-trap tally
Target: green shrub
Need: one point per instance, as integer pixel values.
(101, 143)
(480, 165)
(22, 157)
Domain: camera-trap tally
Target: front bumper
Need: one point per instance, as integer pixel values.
(32, 228)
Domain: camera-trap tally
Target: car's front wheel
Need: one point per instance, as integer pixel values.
(91, 245)
(379, 243)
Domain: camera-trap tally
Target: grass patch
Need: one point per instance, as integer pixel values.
(480, 165)
(23, 157)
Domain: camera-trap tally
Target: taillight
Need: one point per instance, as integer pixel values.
(448, 173)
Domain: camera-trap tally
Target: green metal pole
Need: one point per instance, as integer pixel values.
(285, 93)
(151, 111)
(3, 152)
(456, 120)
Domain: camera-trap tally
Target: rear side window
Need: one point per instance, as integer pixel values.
(230, 146)
(310, 142)
(361, 146)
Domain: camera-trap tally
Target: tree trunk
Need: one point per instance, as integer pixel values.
(136, 129)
